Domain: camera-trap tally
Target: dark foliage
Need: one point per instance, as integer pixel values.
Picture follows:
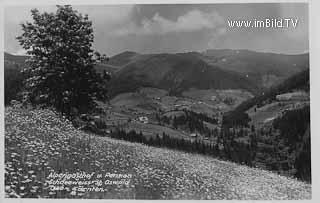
(294, 129)
(12, 84)
(234, 151)
(193, 121)
(61, 65)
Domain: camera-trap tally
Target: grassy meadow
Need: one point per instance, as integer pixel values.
(40, 141)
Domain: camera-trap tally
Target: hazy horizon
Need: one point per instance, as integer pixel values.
(267, 52)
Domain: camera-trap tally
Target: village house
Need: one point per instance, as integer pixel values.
(143, 119)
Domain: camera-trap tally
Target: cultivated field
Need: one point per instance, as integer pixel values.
(267, 113)
(216, 97)
(210, 101)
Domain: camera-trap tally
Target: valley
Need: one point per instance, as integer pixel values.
(143, 109)
(195, 99)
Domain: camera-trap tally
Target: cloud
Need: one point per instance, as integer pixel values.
(194, 20)
(294, 12)
(104, 18)
(107, 15)
(217, 38)
(176, 27)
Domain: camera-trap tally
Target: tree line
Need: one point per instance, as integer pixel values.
(193, 121)
(226, 148)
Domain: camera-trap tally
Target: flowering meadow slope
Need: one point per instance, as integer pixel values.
(38, 142)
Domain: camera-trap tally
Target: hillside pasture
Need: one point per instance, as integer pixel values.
(38, 142)
(269, 112)
(153, 92)
(216, 98)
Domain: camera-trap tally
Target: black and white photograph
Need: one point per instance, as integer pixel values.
(179, 101)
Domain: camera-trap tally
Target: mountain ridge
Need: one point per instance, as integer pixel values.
(176, 73)
(217, 69)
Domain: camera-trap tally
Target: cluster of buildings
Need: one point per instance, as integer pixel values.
(142, 119)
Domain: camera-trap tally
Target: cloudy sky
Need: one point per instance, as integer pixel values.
(180, 28)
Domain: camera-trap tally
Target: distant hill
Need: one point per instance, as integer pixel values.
(105, 67)
(112, 65)
(176, 73)
(298, 81)
(244, 69)
(17, 61)
(122, 59)
(266, 69)
(216, 69)
(10, 59)
(245, 61)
